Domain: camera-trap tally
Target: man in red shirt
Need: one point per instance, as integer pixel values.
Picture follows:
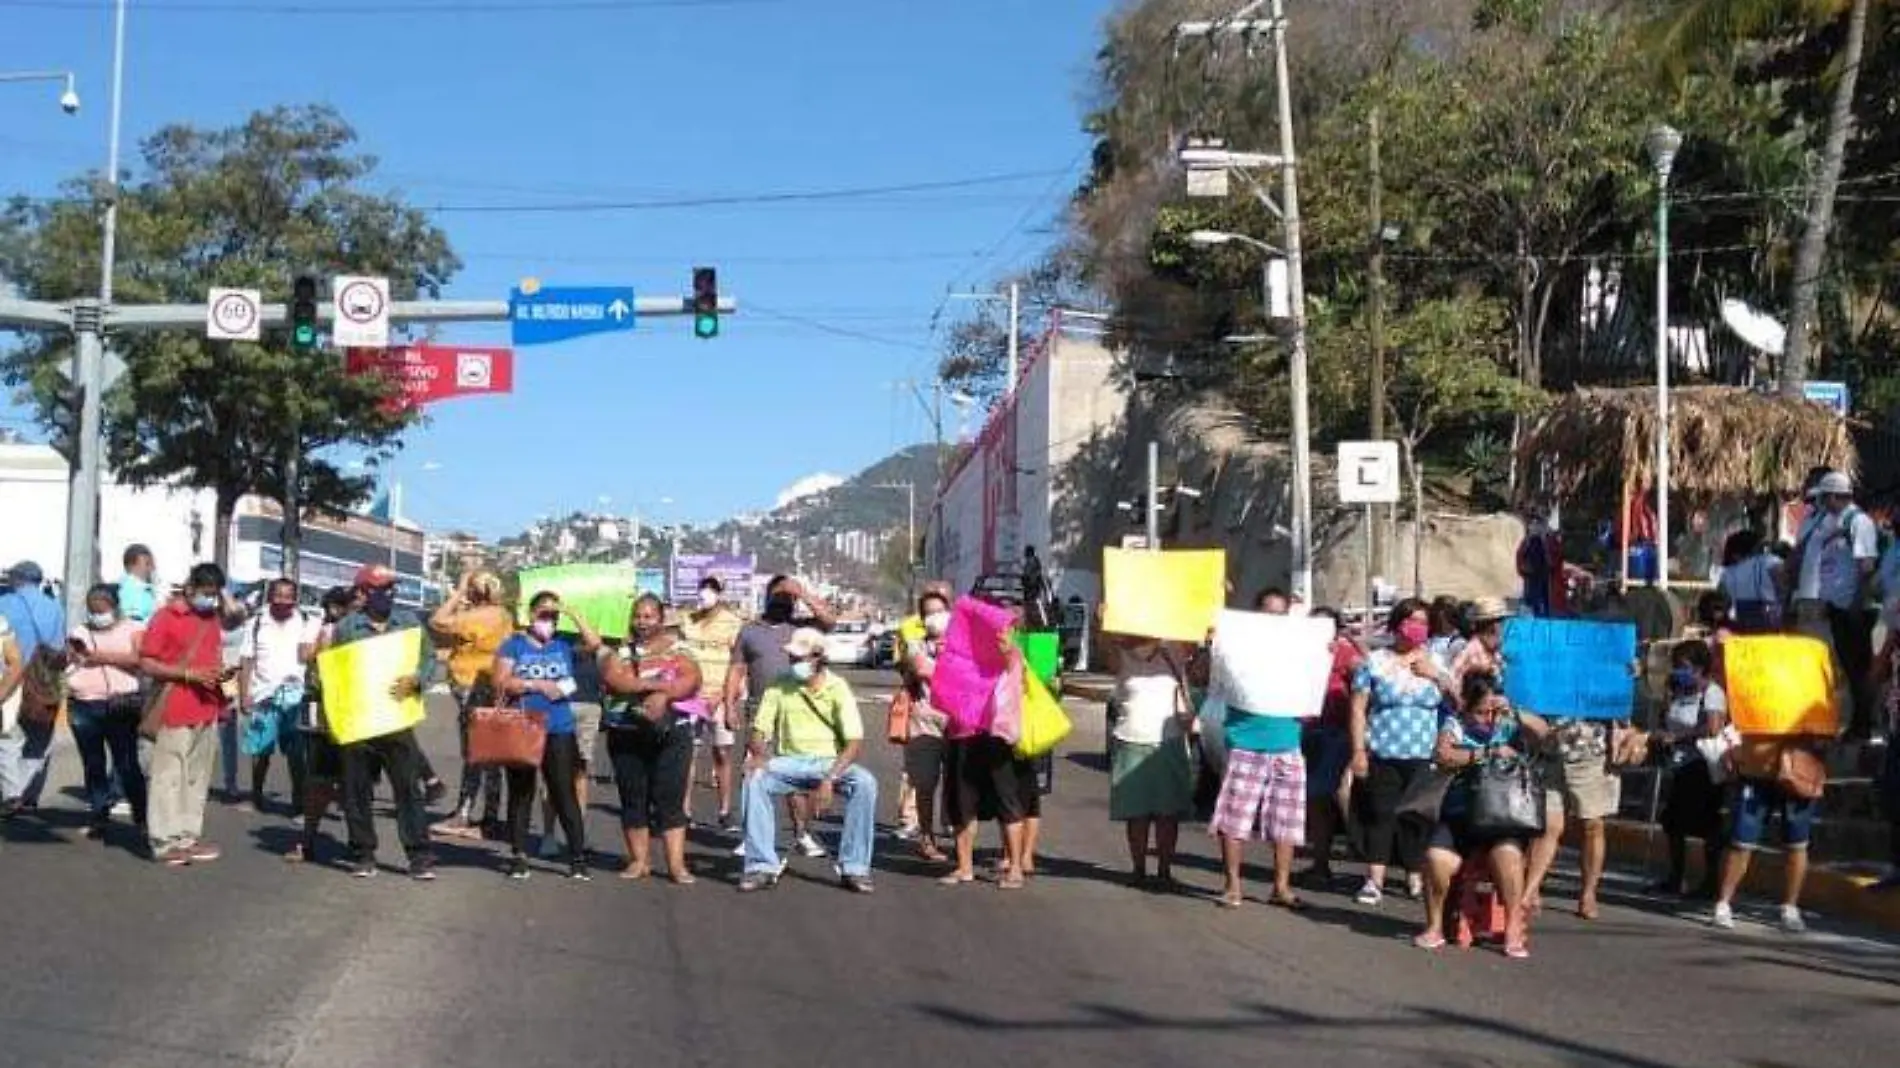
(182, 653)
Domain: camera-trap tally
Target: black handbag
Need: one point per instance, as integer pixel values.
(1507, 800)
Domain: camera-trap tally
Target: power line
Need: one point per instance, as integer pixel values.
(839, 331)
(774, 197)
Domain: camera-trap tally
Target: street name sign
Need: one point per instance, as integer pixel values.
(544, 316)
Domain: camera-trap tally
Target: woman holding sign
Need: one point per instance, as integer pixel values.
(538, 668)
(1396, 696)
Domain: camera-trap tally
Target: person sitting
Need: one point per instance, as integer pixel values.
(1486, 730)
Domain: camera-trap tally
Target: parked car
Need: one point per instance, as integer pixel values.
(849, 644)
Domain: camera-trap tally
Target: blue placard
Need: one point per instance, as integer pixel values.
(1831, 395)
(549, 315)
(1569, 668)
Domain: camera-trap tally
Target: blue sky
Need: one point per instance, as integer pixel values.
(563, 100)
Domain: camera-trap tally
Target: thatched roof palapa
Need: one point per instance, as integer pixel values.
(1724, 441)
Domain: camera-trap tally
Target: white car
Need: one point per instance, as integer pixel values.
(849, 644)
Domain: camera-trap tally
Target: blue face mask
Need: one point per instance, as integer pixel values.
(804, 670)
(1683, 680)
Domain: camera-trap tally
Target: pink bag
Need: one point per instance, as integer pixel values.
(1006, 702)
(970, 666)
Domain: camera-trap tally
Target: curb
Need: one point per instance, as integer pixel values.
(1828, 890)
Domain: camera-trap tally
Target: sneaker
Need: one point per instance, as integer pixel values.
(363, 868)
(1415, 886)
(518, 868)
(122, 808)
(422, 869)
(808, 846)
(857, 884)
(755, 881)
(1724, 916)
(739, 850)
(578, 872)
(203, 852)
(1370, 894)
(1791, 921)
(909, 832)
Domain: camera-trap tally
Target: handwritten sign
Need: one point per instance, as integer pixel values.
(1570, 668)
(970, 665)
(1272, 665)
(601, 594)
(357, 679)
(1169, 595)
(1780, 684)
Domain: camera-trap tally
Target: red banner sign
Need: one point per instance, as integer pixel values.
(430, 373)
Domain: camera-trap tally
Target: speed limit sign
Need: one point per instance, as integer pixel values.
(232, 315)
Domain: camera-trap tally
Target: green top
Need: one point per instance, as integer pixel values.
(809, 723)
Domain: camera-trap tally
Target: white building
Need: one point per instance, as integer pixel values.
(179, 527)
(1009, 491)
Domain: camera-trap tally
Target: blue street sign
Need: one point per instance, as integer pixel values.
(549, 315)
(1828, 395)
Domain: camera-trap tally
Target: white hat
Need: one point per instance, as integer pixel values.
(1832, 484)
(806, 641)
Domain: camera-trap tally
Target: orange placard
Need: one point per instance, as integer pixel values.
(1780, 684)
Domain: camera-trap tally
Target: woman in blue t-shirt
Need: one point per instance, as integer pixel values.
(537, 667)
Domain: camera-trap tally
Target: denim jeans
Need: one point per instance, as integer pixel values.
(789, 775)
(23, 760)
(100, 731)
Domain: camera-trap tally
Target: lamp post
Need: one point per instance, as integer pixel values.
(68, 100)
(1663, 142)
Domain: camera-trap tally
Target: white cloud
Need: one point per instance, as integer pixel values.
(808, 486)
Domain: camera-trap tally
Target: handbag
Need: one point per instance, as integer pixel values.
(1507, 800)
(1044, 724)
(43, 684)
(1007, 703)
(152, 719)
(1801, 774)
(897, 726)
(1714, 752)
(507, 736)
(1423, 799)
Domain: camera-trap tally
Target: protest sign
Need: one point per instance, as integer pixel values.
(1042, 654)
(601, 594)
(1171, 595)
(971, 663)
(1780, 684)
(1570, 668)
(357, 679)
(1272, 665)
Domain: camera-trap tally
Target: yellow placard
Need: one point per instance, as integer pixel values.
(1169, 595)
(1780, 684)
(357, 679)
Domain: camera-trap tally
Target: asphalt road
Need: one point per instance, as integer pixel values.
(107, 961)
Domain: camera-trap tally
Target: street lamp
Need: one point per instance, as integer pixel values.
(68, 100)
(1663, 143)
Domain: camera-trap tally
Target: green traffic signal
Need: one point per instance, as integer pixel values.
(706, 327)
(305, 336)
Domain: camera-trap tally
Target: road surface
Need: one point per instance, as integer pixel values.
(109, 961)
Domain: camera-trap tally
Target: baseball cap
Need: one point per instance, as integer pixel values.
(374, 577)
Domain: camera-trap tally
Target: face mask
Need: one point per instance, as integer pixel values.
(708, 599)
(936, 623)
(542, 629)
(779, 609)
(1682, 680)
(804, 670)
(282, 612)
(204, 605)
(1414, 633)
(101, 620)
(379, 603)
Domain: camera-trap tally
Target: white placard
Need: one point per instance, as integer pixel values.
(361, 307)
(233, 315)
(1368, 472)
(1272, 665)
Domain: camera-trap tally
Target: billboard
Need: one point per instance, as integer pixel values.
(737, 573)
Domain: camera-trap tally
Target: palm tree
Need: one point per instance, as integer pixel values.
(1691, 28)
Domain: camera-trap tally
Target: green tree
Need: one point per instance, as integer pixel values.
(251, 205)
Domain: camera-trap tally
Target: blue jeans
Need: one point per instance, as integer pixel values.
(23, 762)
(789, 775)
(101, 730)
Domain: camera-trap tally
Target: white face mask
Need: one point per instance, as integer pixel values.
(101, 620)
(936, 623)
(542, 629)
(708, 598)
(804, 670)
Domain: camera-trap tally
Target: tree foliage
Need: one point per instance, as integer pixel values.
(252, 205)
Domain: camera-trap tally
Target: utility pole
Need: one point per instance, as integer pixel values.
(1154, 496)
(1375, 323)
(1015, 336)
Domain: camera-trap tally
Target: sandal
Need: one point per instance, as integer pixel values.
(634, 874)
(1012, 881)
(1517, 950)
(1586, 910)
(1429, 941)
(1289, 902)
(1230, 901)
(957, 878)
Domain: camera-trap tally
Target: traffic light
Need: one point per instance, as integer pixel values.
(705, 303)
(303, 313)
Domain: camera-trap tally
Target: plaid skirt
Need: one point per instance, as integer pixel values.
(1262, 797)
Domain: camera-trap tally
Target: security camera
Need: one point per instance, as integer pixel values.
(69, 102)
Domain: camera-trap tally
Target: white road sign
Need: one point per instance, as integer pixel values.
(362, 312)
(1368, 472)
(232, 315)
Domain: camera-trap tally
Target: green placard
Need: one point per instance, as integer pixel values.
(601, 594)
(1042, 653)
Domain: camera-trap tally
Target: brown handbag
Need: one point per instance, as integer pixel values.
(152, 719)
(897, 728)
(1801, 774)
(507, 737)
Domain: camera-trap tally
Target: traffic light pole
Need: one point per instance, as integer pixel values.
(90, 321)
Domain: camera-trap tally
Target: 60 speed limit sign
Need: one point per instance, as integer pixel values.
(232, 315)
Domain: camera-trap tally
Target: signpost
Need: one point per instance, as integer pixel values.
(425, 374)
(544, 316)
(234, 315)
(1369, 475)
(1831, 395)
(360, 307)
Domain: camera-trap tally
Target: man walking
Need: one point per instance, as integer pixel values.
(397, 755)
(275, 656)
(181, 654)
(813, 717)
(39, 629)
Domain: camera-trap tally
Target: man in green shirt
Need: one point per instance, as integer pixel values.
(813, 717)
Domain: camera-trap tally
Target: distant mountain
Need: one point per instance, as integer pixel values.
(807, 486)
